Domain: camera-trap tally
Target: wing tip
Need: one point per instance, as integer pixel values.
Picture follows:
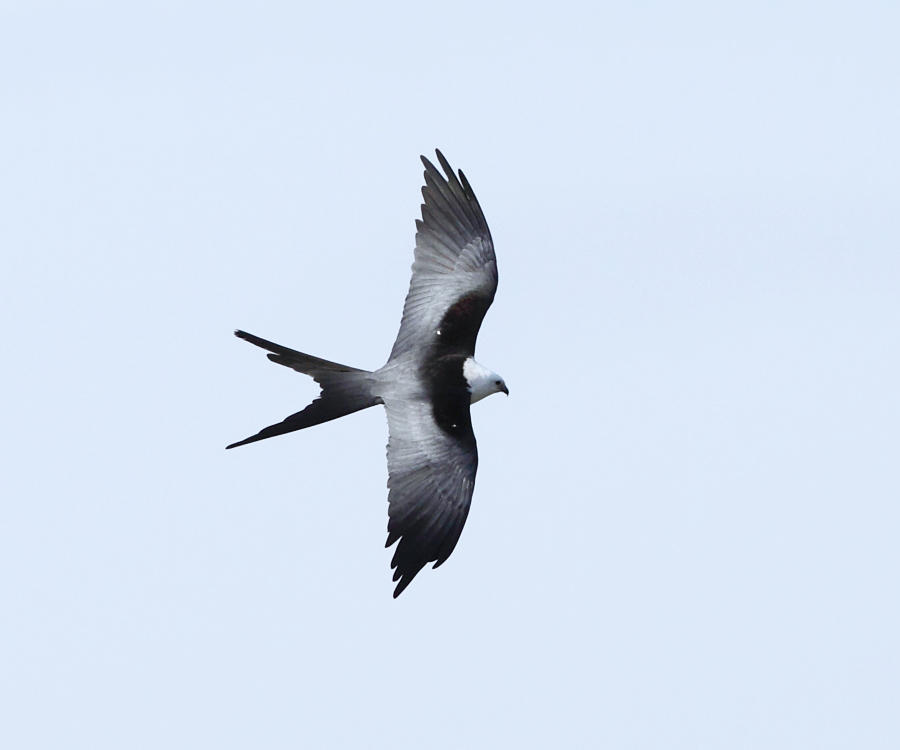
(466, 186)
(426, 162)
(449, 176)
(403, 572)
(401, 587)
(445, 165)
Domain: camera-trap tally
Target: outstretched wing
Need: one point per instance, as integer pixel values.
(431, 476)
(454, 261)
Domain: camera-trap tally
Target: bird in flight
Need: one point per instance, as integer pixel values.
(428, 382)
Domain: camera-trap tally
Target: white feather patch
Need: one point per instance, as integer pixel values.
(481, 381)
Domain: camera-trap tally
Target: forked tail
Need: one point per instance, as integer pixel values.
(344, 389)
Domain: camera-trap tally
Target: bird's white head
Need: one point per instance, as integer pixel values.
(482, 382)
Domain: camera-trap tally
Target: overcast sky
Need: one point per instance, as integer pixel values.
(685, 527)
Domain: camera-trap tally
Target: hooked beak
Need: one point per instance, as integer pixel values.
(505, 390)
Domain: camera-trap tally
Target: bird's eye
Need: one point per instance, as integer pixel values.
(496, 382)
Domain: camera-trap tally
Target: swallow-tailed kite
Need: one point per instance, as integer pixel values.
(428, 382)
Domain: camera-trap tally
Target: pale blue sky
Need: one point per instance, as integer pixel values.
(685, 527)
